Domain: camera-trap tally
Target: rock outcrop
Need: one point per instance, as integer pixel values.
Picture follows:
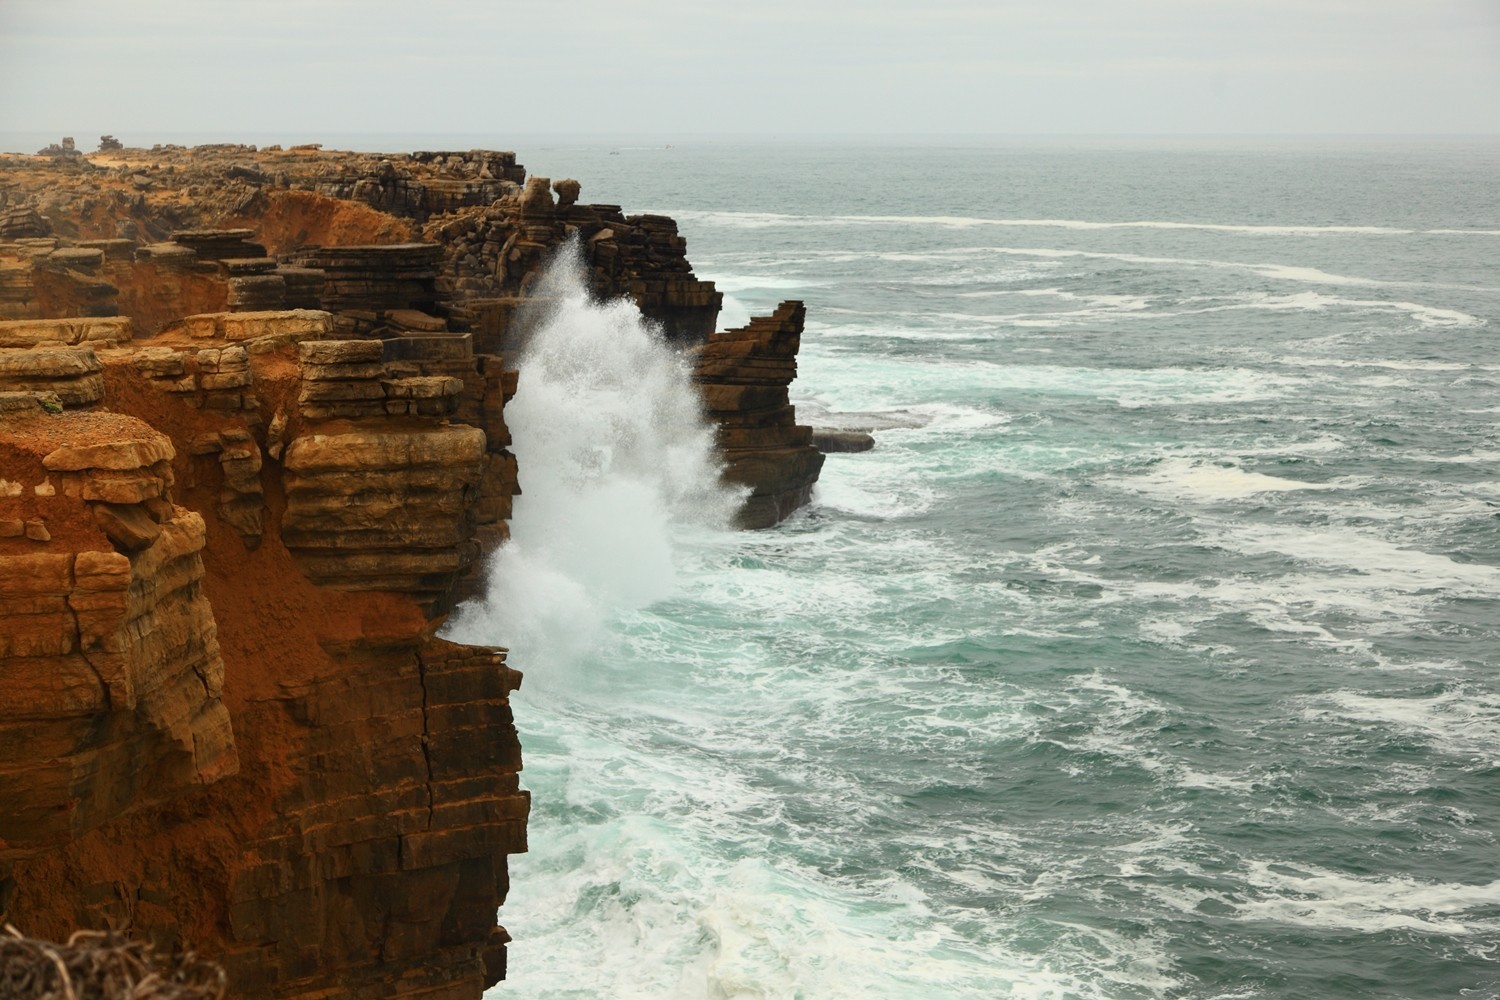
(71, 374)
(112, 672)
(744, 376)
(494, 226)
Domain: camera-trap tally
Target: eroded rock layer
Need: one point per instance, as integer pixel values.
(229, 723)
(112, 674)
(744, 375)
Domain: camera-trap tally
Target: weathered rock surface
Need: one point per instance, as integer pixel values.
(232, 726)
(384, 510)
(111, 667)
(400, 276)
(744, 376)
(70, 373)
(188, 211)
(96, 332)
(833, 441)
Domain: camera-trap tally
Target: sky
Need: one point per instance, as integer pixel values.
(786, 67)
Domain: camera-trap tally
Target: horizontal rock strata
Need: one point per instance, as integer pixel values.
(744, 375)
(70, 374)
(384, 510)
(111, 667)
(234, 728)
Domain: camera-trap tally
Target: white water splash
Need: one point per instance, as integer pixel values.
(614, 457)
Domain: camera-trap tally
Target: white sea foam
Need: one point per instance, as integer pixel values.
(761, 220)
(1467, 458)
(733, 314)
(1102, 307)
(1394, 364)
(1133, 388)
(1282, 272)
(1197, 479)
(753, 282)
(1460, 720)
(1297, 273)
(1426, 316)
(1378, 562)
(1314, 897)
(1188, 777)
(1143, 308)
(1383, 586)
(1317, 898)
(615, 456)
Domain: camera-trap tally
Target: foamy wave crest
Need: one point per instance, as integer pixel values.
(733, 313)
(1317, 898)
(1314, 897)
(615, 458)
(1458, 720)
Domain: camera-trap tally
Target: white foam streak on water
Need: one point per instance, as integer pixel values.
(750, 282)
(1139, 309)
(1312, 897)
(1376, 562)
(615, 456)
(768, 219)
(1196, 479)
(1298, 273)
(891, 381)
(1426, 316)
(1460, 720)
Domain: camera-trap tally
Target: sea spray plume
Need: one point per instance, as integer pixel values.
(616, 459)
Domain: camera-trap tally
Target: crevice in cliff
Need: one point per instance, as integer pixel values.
(109, 701)
(197, 669)
(426, 735)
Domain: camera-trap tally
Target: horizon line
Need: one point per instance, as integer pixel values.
(686, 136)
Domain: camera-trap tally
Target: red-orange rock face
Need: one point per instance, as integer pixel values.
(229, 723)
(113, 679)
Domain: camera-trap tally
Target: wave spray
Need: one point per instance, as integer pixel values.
(615, 459)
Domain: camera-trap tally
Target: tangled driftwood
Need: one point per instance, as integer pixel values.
(94, 965)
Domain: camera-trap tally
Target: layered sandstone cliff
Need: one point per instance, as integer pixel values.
(744, 376)
(232, 724)
(252, 450)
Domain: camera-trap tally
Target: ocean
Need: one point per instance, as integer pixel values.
(1152, 651)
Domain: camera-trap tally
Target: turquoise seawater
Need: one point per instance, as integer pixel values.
(1152, 652)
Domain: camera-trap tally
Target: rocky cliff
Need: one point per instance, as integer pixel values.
(232, 725)
(744, 376)
(252, 451)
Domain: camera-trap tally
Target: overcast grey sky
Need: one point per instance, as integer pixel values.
(676, 67)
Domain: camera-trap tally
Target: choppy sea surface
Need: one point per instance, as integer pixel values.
(1153, 651)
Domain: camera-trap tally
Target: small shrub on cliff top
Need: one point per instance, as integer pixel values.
(100, 966)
